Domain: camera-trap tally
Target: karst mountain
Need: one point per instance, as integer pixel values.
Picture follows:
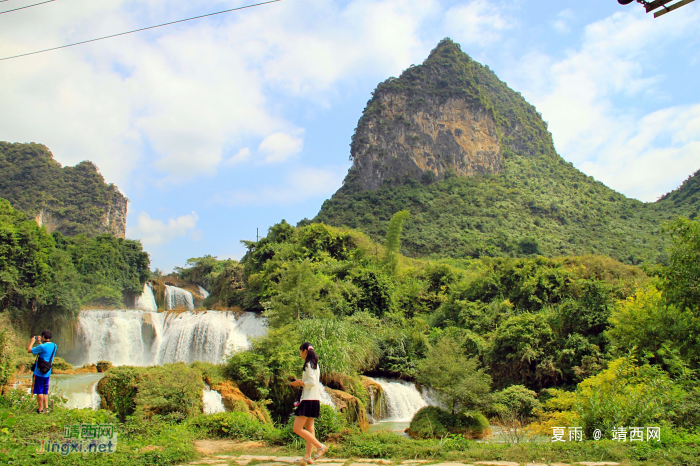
(475, 165)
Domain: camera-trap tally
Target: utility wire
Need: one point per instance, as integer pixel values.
(138, 30)
(22, 8)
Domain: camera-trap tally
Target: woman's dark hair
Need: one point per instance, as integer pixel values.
(311, 356)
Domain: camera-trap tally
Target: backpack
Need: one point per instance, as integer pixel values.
(44, 366)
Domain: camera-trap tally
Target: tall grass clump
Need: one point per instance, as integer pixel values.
(343, 349)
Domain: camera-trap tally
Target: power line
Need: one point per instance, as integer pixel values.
(22, 8)
(138, 30)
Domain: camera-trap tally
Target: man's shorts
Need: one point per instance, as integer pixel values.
(41, 385)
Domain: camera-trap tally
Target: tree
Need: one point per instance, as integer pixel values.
(522, 352)
(683, 272)
(297, 295)
(393, 239)
(459, 380)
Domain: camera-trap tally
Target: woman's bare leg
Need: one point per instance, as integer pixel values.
(299, 423)
(309, 426)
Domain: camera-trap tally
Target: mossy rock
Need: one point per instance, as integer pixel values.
(375, 392)
(234, 400)
(351, 406)
(435, 422)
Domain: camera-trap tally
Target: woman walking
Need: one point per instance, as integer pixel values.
(310, 404)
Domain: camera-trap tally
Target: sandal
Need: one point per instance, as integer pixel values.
(320, 452)
(303, 461)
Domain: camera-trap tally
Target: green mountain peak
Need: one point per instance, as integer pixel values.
(476, 166)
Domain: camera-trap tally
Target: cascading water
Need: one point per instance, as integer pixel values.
(402, 400)
(147, 301)
(326, 398)
(139, 338)
(177, 298)
(96, 398)
(203, 292)
(213, 403)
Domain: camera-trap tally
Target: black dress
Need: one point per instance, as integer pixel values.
(308, 408)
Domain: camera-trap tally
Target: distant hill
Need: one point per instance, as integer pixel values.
(476, 166)
(72, 200)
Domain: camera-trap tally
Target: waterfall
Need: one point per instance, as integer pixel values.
(96, 398)
(147, 302)
(177, 298)
(140, 338)
(402, 399)
(203, 292)
(213, 403)
(326, 398)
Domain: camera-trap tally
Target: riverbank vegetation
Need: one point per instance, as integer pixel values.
(45, 278)
(534, 343)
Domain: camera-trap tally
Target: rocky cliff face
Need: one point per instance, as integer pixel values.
(475, 165)
(448, 115)
(72, 200)
(424, 137)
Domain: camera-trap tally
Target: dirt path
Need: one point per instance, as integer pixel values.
(214, 452)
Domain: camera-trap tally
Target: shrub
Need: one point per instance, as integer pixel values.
(435, 422)
(516, 401)
(5, 357)
(24, 362)
(233, 425)
(170, 388)
(103, 366)
(61, 364)
(458, 379)
(626, 395)
(263, 371)
(147, 391)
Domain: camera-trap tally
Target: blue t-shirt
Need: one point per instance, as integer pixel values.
(45, 350)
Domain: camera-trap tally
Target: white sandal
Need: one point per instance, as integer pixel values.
(320, 452)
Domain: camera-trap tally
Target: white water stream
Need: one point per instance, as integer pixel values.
(402, 400)
(177, 298)
(143, 338)
(147, 301)
(203, 292)
(213, 402)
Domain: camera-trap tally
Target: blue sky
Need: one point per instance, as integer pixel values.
(219, 126)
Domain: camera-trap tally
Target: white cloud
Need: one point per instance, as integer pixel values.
(178, 98)
(563, 20)
(580, 94)
(241, 156)
(478, 22)
(154, 232)
(300, 185)
(279, 147)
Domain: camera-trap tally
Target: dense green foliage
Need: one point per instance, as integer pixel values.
(47, 277)
(77, 198)
(148, 391)
(203, 271)
(435, 422)
(459, 380)
(6, 360)
(537, 203)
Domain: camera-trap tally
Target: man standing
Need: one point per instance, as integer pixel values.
(42, 372)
